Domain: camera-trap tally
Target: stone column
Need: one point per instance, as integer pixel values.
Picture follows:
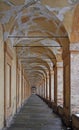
(37, 90)
(60, 83)
(55, 84)
(66, 86)
(21, 84)
(40, 90)
(20, 87)
(74, 56)
(52, 85)
(47, 86)
(23, 88)
(27, 89)
(2, 100)
(43, 88)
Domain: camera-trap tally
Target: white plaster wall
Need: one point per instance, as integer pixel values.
(1, 79)
(75, 83)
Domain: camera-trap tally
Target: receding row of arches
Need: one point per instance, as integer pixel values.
(37, 51)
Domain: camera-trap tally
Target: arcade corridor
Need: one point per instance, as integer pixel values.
(36, 115)
(39, 54)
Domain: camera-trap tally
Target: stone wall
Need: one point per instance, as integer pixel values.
(1, 78)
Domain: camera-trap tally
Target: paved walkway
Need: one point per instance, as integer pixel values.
(36, 115)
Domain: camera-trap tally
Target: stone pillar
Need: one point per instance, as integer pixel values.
(55, 84)
(27, 89)
(47, 86)
(2, 104)
(9, 90)
(43, 89)
(60, 83)
(21, 84)
(17, 88)
(24, 89)
(20, 100)
(40, 90)
(74, 55)
(66, 86)
(37, 90)
(44, 84)
(52, 85)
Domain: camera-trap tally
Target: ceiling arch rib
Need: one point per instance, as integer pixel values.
(42, 68)
(38, 8)
(37, 16)
(51, 44)
(31, 23)
(41, 10)
(36, 77)
(38, 71)
(33, 62)
(31, 53)
(39, 65)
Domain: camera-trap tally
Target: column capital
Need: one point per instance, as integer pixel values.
(48, 76)
(55, 67)
(52, 72)
(60, 64)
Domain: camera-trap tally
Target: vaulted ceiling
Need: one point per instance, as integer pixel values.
(40, 30)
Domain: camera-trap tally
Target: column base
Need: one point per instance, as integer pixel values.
(75, 122)
(60, 111)
(66, 117)
(54, 107)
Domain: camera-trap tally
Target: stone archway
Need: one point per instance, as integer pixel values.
(45, 25)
